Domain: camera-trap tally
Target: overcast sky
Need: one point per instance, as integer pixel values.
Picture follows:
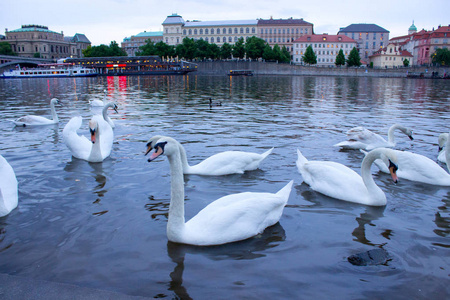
(103, 21)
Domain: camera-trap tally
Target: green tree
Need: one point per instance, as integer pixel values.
(441, 57)
(268, 53)
(225, 51)
(214, 51)
(186, 49)
(309, 57)
(5, 49)
(405, 62)
(202, 49)
(147, 49)
(104, 51)
(37, 55)
(254, 47)
(353, 58)
(340, 58)
(239, 48)
(286, 54)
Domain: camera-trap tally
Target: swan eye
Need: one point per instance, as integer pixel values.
(393, 166)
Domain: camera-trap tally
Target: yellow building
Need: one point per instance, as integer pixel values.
(391, 56)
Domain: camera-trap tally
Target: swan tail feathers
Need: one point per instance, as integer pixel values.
(265, 154)
(286, 190)
(301, 159)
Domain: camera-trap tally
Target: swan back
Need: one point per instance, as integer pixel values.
(8, 188)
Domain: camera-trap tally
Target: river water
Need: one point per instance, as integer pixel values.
(103, 225)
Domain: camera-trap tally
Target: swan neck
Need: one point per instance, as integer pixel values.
(377, 195)
(105, 113)
(54, 115)
(183, 158)
(447, 153)
(175, 223)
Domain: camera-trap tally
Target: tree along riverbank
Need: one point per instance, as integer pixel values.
(273, 68)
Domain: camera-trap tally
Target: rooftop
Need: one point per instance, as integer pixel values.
(173, 19)
(363, 27)
(220, 23)
(149, 34)
(31, 28)
(290, 21)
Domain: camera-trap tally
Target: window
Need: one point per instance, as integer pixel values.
(374, 36)
(235, 30)
(224, 39)
(212, 31)
(306, 30)
(230, 31)
(195, 31)
(190, 31)
(206, 31)
(242, 30)
(218, 30)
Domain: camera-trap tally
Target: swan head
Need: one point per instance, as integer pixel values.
(390, 159)
(152, 142)
(164, 146)
(54, 101)
(408, 132)
(443, 137)
(93, 128)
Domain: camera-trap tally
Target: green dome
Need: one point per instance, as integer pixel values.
(412, 27)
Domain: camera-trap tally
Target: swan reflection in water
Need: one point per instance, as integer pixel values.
(366, 218)
(252, 248)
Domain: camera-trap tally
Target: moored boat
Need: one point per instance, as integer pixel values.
(50, 70)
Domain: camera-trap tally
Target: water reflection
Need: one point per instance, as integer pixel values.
(252, 248)
(371, 214)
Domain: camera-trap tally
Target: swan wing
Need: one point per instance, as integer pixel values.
(32, 120)
(334, 180)
(107, 137)
(237, 217)
(228, 162)
(79, 146)
(8, 188)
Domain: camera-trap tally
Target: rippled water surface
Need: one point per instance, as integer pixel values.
(103, 225)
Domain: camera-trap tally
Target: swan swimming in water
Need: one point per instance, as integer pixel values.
(443, 137)
(223, 163)
(32, 120)
(8, 188)
(229, 219)
(97, 102)
(100, 145)
(416, 167)
(362, 138)
(105, 113)
(340, 182)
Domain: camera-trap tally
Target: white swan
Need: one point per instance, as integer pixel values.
(416, 167)
(442, 140)
(362, 138)
(338, 181)
(223, 163)
(229, 219)
(97, 102)
(100, 145)
(105, 113)
(32, 120)
(8, 188)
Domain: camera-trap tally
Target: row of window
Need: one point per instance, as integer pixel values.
(360, 35)
(57, 49)
(217, 31)
(323, 45)
(323, 52)
(283, 31)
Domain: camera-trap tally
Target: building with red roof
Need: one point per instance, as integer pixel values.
(390, 56)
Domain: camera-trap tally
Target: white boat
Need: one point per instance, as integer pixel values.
(50, 70)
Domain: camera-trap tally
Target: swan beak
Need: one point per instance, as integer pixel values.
(115, 109)
(92, 135)
(411, 137)
(158, 151)
(440, 149)
(393, 169)
(149, 148)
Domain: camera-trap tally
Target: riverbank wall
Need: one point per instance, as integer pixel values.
(273, 68)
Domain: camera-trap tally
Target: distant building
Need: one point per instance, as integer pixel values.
(215, 32)
(390, 56)
(131, 45)
(30, 40)
(423, 44)
(283, 31)
(369, 37)
(326, 47)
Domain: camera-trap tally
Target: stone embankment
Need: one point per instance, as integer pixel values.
(273, 68)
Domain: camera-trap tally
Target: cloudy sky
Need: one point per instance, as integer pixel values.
(103, 21)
